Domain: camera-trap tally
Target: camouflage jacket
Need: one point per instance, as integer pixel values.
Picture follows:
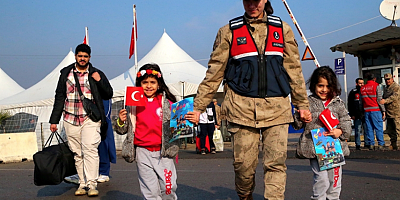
(128, 149)
(391, 95)
(247, 111)
(305, 147)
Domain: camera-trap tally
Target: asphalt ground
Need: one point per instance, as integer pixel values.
(366, 175)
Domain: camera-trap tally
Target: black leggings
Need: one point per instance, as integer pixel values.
(206, 129)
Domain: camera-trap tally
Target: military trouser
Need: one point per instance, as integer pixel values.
(245, 152)
(393, 129)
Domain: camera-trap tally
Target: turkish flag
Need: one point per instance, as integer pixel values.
(329, 120)
(134, 96)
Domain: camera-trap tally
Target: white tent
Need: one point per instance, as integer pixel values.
(181, 73)
(40, 94)
(38, 99)
(8, 86)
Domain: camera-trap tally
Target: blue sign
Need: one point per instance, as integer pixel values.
(339, 66)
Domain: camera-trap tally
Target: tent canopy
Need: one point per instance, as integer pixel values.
(176, 66)
(8, 87)
(40, 94)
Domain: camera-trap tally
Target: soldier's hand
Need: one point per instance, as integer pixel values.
(305, 116)
(382, 101)
(193, 117)
(383, 116)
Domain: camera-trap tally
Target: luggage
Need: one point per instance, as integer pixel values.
(53, 163)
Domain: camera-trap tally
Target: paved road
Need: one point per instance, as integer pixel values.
(209, 177)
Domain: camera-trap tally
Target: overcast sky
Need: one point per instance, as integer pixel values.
(36, 35)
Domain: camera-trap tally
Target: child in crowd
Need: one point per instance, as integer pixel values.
(325, 90)
(148, 136)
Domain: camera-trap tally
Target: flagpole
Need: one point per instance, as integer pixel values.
(301, 32)
(87, 35)
(134, 37)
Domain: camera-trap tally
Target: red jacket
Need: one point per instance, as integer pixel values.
(369, 96)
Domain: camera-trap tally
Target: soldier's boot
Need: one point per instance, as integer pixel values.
(393, 145)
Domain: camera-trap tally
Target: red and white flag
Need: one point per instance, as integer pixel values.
(134, 96)
(329, 120)
(86, 39)
(134, 34)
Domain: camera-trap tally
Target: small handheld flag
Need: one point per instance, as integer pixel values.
(134, 96)
(329, 120)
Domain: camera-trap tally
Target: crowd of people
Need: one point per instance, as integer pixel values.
(369, 106)
(256, 56)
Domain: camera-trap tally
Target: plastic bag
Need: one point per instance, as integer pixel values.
(218, 140)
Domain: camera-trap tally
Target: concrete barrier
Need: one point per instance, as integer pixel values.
(17, 147)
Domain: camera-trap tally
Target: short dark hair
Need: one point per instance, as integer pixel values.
(327, 73)
(268, 8)
(83, 48)
(358, 79)
(370, 76)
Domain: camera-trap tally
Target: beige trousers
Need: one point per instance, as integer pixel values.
(83, 141)
(246, 142)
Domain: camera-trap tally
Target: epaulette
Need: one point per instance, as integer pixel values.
(236, 23)
(274, 21)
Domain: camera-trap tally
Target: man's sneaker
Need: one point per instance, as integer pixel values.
(74, 179)
(92, 190)
(380, 147)
(358, 147)
(371, 147)
(203, 152)
(80, 191)
(103, 178)
(213, 151)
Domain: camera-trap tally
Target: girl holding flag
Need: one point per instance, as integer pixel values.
(148, 135)
(325, 90)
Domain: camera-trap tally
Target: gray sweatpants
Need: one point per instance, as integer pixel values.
(327, 183)
(157, 175)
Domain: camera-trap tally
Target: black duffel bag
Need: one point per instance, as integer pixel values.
(53, 163)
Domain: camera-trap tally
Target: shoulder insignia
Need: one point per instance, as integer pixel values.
(236, 23)
(274, 21)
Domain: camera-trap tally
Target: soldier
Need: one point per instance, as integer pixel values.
(257, 56)
(218, 112)
(391, 99)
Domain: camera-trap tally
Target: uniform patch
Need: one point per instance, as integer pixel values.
(275, 44)
(241, 40)
(276, 35)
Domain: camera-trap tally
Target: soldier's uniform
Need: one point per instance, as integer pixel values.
(250, 116)
(391, 96)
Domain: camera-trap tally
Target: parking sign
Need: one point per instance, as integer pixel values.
(339, 66)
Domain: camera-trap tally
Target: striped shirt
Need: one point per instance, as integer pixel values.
(73, 107)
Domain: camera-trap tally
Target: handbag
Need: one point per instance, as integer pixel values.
(53, 163)
(91, 109)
